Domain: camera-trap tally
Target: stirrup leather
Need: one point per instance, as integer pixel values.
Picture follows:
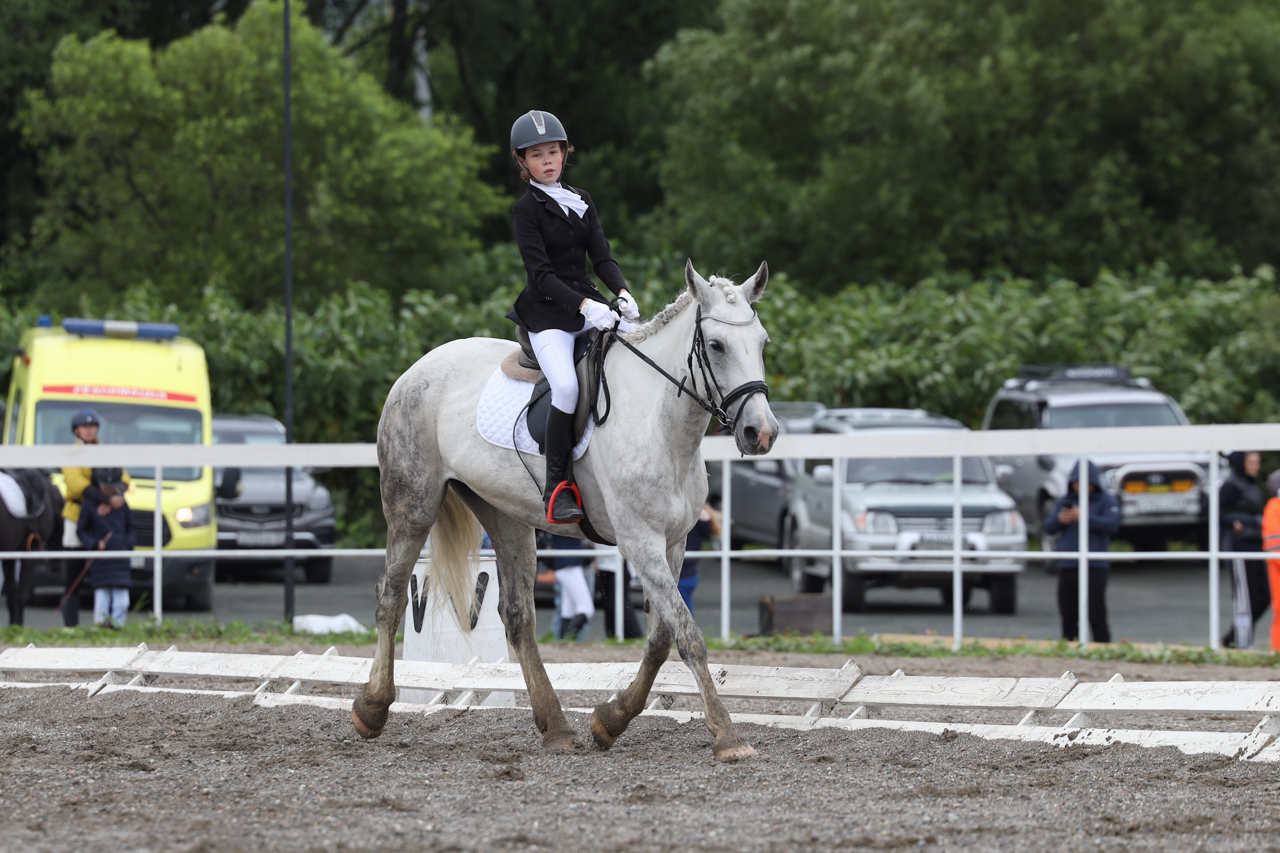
(564, 486)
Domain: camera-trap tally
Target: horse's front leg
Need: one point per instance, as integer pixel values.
(668, 614)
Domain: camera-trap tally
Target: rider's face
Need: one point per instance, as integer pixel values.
(87, 433)
(545, 162)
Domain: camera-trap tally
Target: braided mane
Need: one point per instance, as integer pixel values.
(659, 321)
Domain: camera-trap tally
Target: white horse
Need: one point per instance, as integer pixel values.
(643, 484)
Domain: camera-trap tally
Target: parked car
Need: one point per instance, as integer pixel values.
(762, 488)
(1160, 493)
(256, 517)
(902, 505)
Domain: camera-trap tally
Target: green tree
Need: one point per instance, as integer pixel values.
(488, 61)
(166, 166)
(890, 139)
(28, 32)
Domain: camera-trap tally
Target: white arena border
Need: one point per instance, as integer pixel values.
(839, 698)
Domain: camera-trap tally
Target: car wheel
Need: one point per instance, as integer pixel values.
(801, 581)
(319, 570)
(853, 593)
(1003, 590)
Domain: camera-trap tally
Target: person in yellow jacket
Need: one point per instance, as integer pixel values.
(84, 426)
(1271, 542)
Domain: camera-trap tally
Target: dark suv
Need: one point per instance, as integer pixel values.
(1160, 493)
(255, 519)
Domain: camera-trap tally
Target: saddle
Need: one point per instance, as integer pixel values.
(32, 483)
(522, 364)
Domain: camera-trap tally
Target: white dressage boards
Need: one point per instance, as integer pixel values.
(1056, 711)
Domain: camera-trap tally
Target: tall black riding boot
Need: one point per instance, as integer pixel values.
(559, 445)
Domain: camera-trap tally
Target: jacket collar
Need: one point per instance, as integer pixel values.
(543, 199)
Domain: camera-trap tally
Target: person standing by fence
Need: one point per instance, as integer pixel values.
(1271, 544)
(1104, 521)
(707, 527)
(110, 531)
(85, 425)
(1241, 503)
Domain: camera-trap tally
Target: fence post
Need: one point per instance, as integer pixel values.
(957, 545)
(619, 590)
(726, 507)
(1215, 543)
(1082, 553)
(157, 562)
(837, 545)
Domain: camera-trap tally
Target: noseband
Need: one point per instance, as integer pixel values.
(698, 353)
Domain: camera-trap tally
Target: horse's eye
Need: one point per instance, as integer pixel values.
(716, 346)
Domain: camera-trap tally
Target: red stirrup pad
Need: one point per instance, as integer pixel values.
(577, 498)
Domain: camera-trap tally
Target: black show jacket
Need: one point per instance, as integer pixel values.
(552, 244)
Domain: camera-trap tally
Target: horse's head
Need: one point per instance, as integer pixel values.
(734, 341)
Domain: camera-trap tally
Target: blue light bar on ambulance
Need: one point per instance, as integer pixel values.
(121, 329)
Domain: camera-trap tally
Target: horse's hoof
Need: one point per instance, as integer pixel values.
(603, 739)
(363, 730)
(740, 749)
(564, 741)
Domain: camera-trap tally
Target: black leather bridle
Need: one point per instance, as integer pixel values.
(697, 353)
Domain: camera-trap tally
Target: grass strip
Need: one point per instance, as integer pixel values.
(278, 633)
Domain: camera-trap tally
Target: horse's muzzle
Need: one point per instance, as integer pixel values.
(756, 427)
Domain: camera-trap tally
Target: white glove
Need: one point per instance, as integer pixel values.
(627, 303)
(599, 315)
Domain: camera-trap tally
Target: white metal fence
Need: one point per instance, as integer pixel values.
(1081, 443)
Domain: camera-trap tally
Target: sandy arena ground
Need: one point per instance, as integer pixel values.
(168, 772)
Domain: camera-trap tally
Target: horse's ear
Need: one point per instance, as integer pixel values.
(698, 286)
(753, 288)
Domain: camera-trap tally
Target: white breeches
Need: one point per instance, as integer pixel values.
(575, 596)
(554, 351)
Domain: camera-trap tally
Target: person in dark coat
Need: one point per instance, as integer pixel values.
(1240, 507)
(556, 226)
(109, 531)
(1104, 522)
(706, 527)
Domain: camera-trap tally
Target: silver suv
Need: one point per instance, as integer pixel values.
(1160, 493)
(902, 505)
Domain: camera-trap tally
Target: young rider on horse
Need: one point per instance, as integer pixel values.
(554, 224)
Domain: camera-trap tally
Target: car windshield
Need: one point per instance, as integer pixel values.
(1113, 415)
(925, 471)
(235, 435)
(125, 423)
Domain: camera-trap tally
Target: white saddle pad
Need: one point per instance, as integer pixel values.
(11, 494)
(501, 403)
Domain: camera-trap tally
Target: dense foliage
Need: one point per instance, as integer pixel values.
(942, 345)
(165, 167)
(892, 139)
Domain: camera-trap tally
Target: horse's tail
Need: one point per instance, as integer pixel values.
(455, 546)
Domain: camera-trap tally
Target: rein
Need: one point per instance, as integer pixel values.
(697, 352)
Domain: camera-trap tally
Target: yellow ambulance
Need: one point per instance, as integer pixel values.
(148, 386)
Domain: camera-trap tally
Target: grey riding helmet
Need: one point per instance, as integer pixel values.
(536, 127)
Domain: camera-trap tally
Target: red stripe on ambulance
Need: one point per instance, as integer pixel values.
(120, 391)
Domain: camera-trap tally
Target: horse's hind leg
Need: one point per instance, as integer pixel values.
(411, 498)
(515, 548)
(12, 592)
(658, 574)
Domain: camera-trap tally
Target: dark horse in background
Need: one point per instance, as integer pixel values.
(40, 531)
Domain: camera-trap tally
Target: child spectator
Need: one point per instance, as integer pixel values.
(109, 530)
(1104, 521)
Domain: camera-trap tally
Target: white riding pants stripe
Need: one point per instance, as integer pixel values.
(554, 351)
(575, 597)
